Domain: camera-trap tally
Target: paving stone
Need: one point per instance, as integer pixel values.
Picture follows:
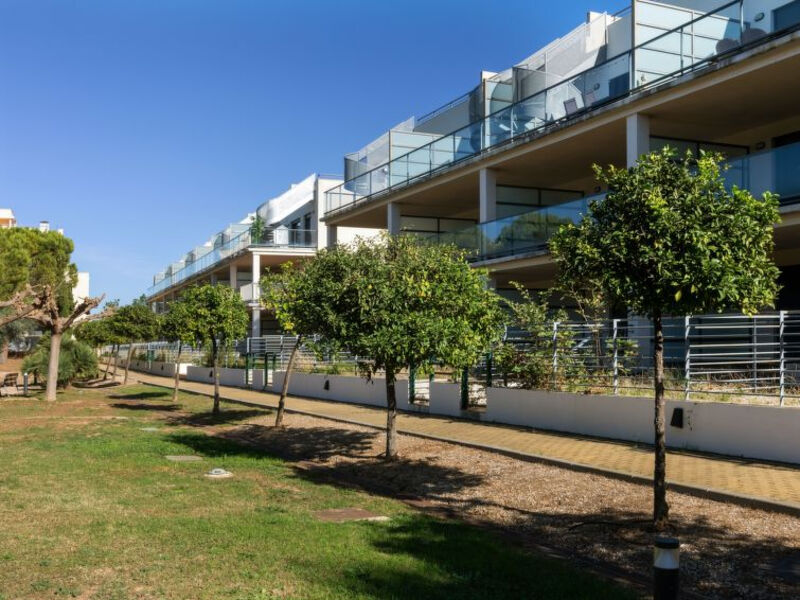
(219, 474)
(342, 515)
(183, 458)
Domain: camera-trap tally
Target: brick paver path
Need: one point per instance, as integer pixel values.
(738, 477)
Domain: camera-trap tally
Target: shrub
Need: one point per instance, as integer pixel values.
(76, 361)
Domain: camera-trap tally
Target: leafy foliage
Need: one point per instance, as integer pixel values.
(213, 314)
(135, 322)
(76, 361)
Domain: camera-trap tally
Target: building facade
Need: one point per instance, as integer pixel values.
(500, 168)
(284, 229)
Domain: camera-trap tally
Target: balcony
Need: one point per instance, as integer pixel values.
(278, 238)
(776, 170)
(725, 31)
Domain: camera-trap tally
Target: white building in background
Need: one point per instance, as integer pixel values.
(81, 290)
(237, 256)
(7, 218)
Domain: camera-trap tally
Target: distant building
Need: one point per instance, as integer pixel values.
(7, 218)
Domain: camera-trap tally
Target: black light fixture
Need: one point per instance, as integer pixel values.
(758, 17)
(761, 145)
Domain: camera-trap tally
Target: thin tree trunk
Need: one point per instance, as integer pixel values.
(215, 357)
(286, 377)
(391, 416)
(4, 351)
(660, 507)
(108, 364)
(52, 368)
(116, 360)
(128, 363)
(177, 373)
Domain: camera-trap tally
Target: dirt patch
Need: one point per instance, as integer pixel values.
(728, 551)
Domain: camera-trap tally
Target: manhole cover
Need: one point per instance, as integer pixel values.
(341, 515)
(149, 428)
(184, 458)
(219, 474)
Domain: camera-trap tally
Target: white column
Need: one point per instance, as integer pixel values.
(232, 275)
(393, 218)
(637, 137)
(487, 190)
(256, 322)
(332, 235)
(256, 278)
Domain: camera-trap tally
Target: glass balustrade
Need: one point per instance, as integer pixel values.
(661, 56)
(279, 237)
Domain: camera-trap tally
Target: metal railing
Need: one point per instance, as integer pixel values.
(723, 31)
(280, 237)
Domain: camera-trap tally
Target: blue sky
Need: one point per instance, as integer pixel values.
(143, 127)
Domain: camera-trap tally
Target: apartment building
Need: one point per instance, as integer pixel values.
(500, 168)
(7, 218)
(284, 229)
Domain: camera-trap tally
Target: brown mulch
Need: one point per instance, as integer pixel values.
(728, 550)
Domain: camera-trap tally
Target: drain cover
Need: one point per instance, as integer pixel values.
(218, 474)
(184, 458)
(341, 515)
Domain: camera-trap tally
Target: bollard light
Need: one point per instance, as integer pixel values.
(666, 568)
(25, 384)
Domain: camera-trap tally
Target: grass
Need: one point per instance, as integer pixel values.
(91, 509)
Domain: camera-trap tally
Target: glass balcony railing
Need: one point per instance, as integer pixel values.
(727, 29)
(776, 170)
(279, 237)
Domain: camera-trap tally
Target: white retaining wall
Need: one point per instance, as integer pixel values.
(765, 432)
(156, 367)
(342, 388)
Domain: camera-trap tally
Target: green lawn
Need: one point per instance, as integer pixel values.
(91, 509)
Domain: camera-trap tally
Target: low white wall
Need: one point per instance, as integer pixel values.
(765, 432)
(342, 388)
(445, 399)
(201, 374)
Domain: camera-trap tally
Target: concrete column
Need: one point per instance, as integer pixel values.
(393, 218)
(256, 277)
(487, 189)
(256, 322)
(332, 235)
(232, 275)
(637, 137)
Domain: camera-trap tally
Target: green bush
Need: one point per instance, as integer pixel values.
(76, 361)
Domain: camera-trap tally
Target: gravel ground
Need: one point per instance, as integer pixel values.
(728, 551)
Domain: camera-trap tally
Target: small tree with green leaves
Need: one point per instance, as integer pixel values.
(402, 303)
(671, 239)
(134, 323)
(216, 316)
(175, 328)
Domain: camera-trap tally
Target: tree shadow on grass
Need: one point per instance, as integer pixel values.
(228, 416)
(150, 395)
(143, 406)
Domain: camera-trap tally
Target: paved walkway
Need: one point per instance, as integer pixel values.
(766, 482)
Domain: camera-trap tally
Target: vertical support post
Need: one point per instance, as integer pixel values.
(25, 383)
(233, 274)
(741, 21)
(755, 355)
(615, 363)
(412, 383)
(393, 218)
(489, 366)
(781, 357)
(333, 235)
(637, 136)
(465, 388)
(555, 352)
(487, 190)
(687, 363)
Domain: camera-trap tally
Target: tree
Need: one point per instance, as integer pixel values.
(401, 303)
(216, 316)
(37, 282)
(134, 323)
(175, 328)
(670, 239)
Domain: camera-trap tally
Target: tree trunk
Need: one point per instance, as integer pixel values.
(391, 416)
(660, 507)
(286, 377)
(128, 363)
(108, 364)
(116, 360)
(177, 373)
(4, 352)
(215, 358)
(52, 367)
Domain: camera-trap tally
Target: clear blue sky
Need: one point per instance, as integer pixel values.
(142, 127)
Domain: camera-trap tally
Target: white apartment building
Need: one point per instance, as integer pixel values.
(500, 168)
(239, 254)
